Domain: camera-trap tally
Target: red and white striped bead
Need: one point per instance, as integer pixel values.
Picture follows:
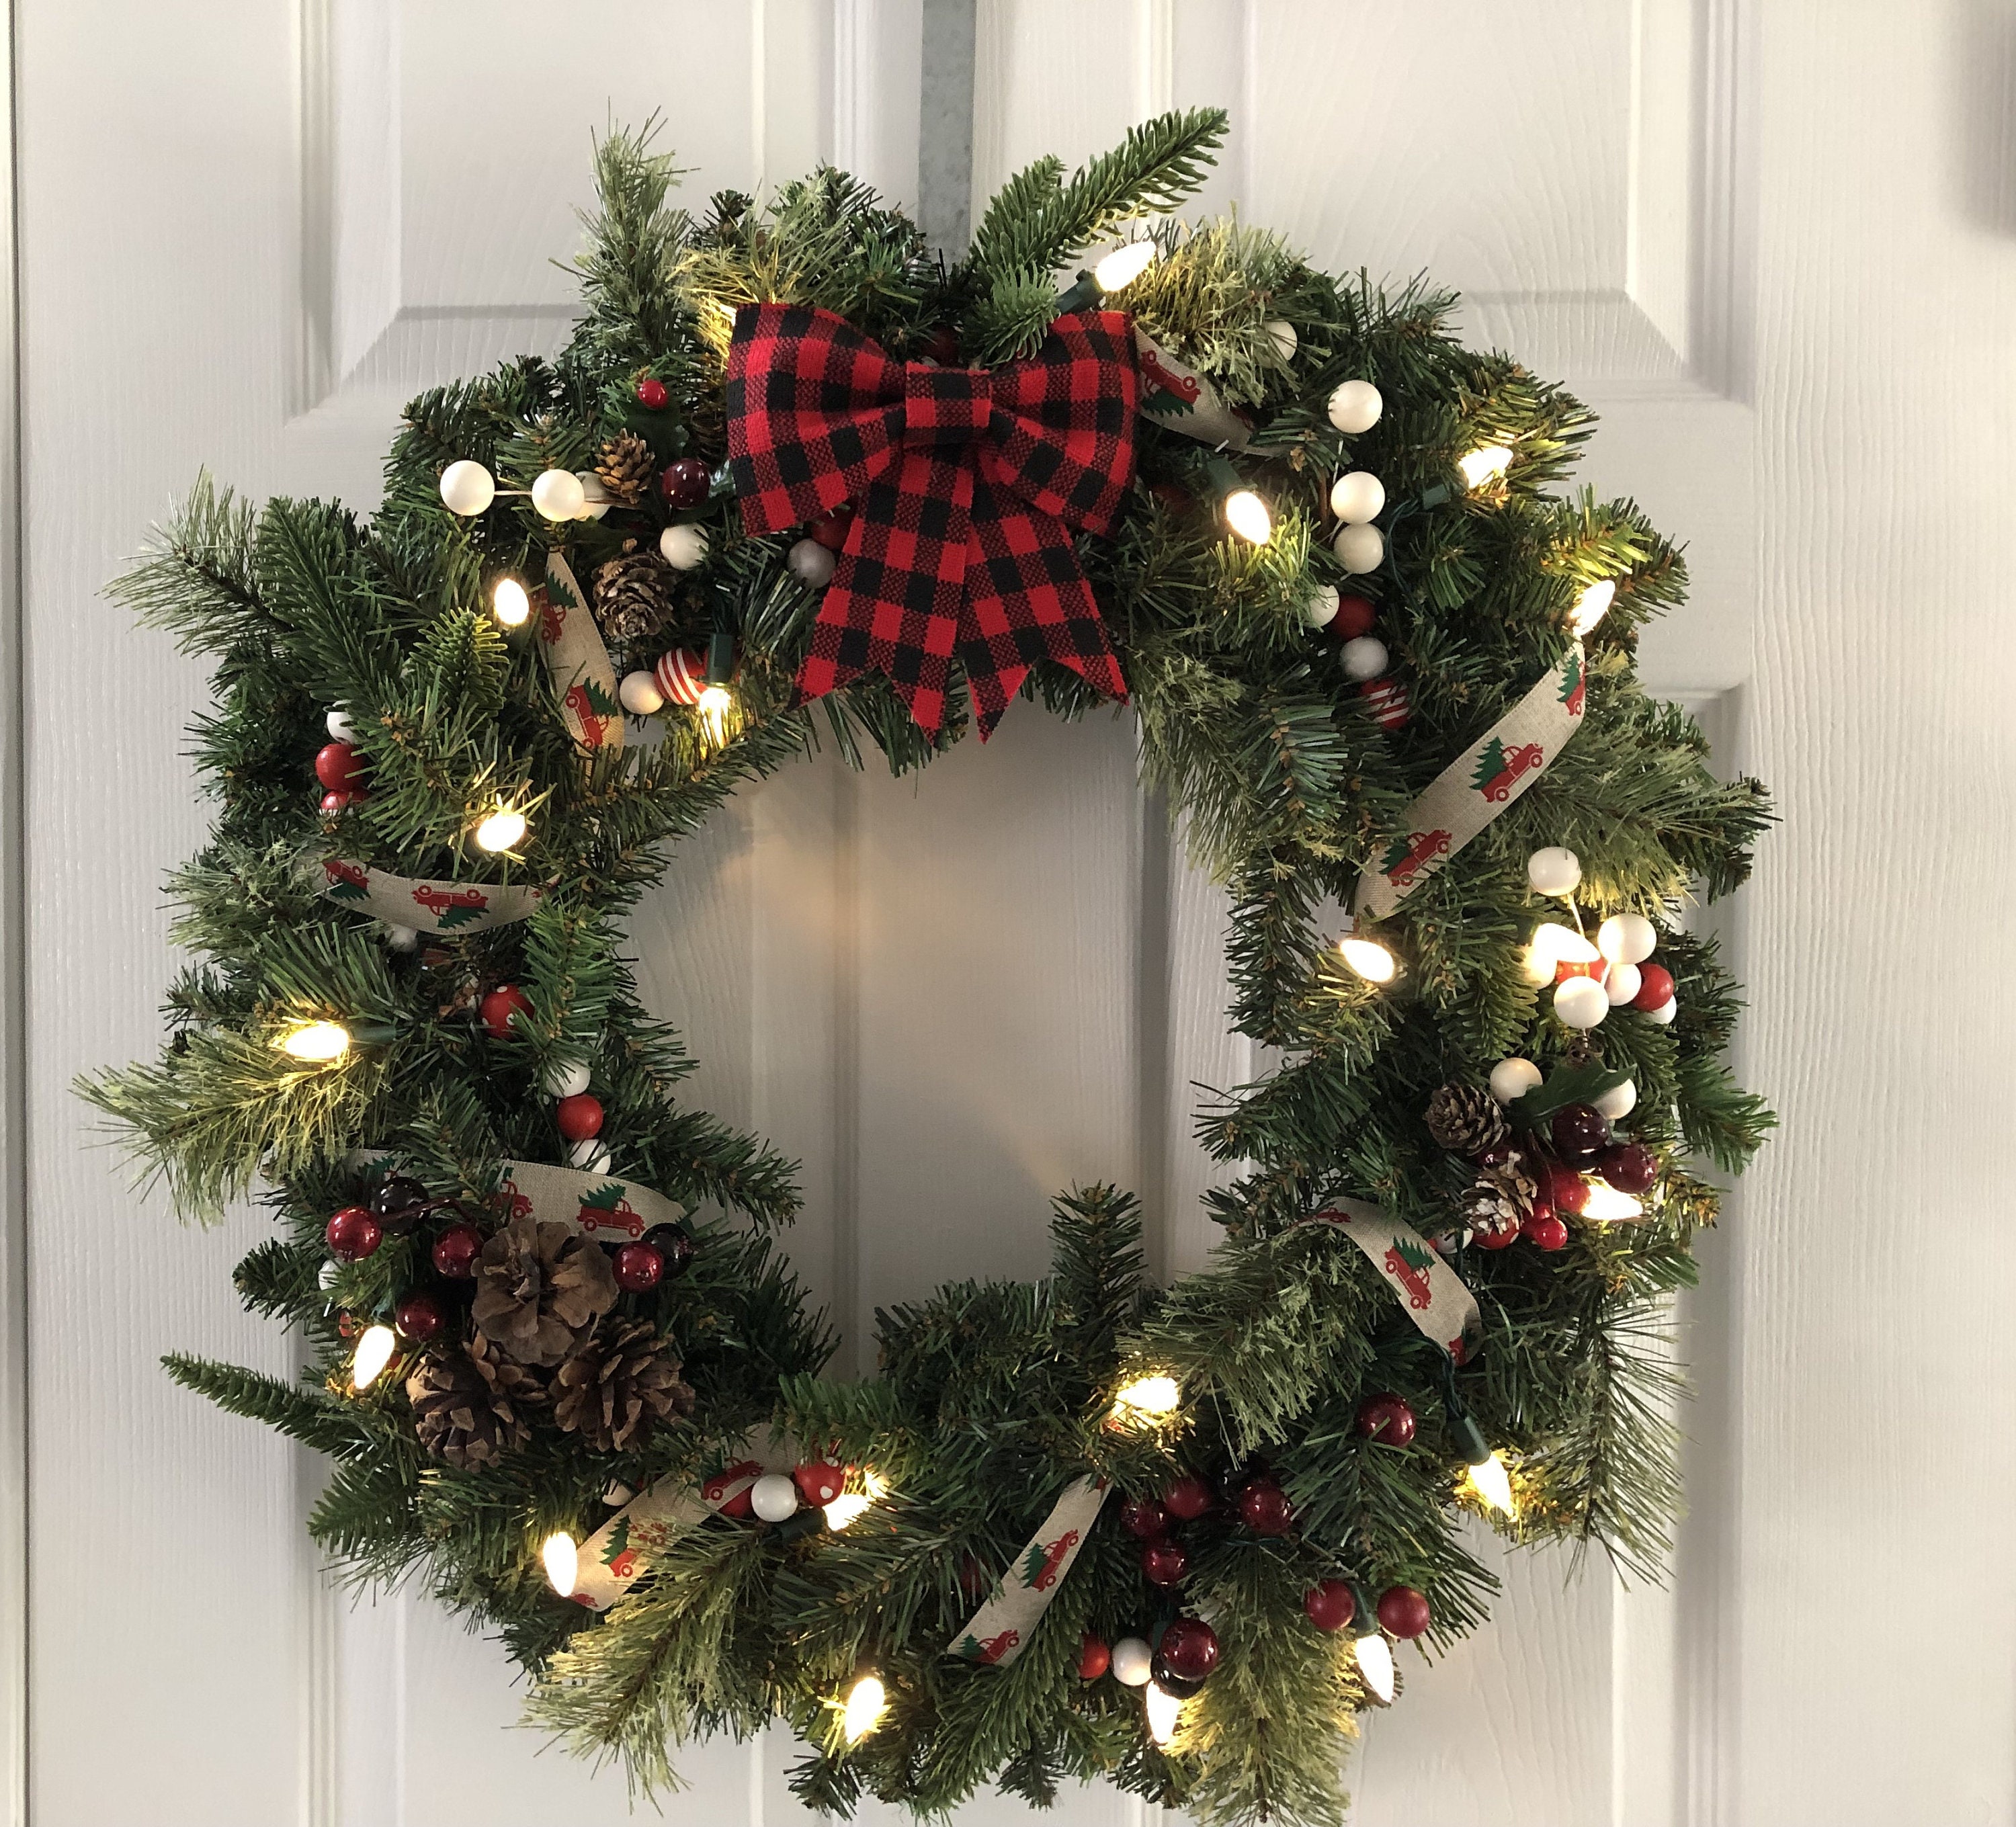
(1386, 699)
(681, 675)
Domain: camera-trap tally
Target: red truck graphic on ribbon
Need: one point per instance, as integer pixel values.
(347, 881)
(552, 616)
(1498, 768)
(1183, 388)
(1408, 1264)
(1574, 678)
(516, 1204)
(1045, 1561)
(992, 1649)
(1408, 856)
(592, 710)
(450, 906)
(607, 1209)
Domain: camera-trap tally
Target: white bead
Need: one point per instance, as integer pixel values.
(1357, 495)
(640, 695)
(1580, 1003)
(594, 498)
(558, 495)
(1627, 938)
(565, 1078)
(402, 938)
(1553, 870)
(617, 1494)
(1512, 1078)
(1359, 549)
(1618, 1103)
(774, 1496)
(1365, 658)
(1620, 983)
(1283, 335)
(1355, 407)
(1133, 1662)
(466, 487)
(1321, 610)
(342, 730)
(684, 547)
(589, 1156)
(325, 1275)
(811, 563)
(1665, 1012)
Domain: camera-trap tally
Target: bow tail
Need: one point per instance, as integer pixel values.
(1027, 600)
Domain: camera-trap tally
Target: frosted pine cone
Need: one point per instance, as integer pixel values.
(1467, 1119)
(625, 468)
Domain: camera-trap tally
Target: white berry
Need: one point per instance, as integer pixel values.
(1133, 1662)
(1620, 983)
(589, 1156)
(1365, 657)
(1553, 870)
(1618, 1103)
(1580, 1003)
(773, 1497)
(683, 548)
(1281, 333)
(402, 938)
(565, 1078)
(594, 502)
(811, 563)
(1627, 938)
(466, 487)
(1355, 407)
(1357, 495)
(558, 495)
(1359, 549)
(1512, 1078)
(1665, 1012)
(1321, 610)
(342, 730)
(639, 694)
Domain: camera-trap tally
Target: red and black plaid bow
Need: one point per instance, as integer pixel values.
(968, 482)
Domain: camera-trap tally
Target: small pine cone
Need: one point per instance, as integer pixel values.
(1467, 1119)
(626, 467)
(470, 1407)
(1501, 1196)
(617, 1385)
(633, 594)
(539, 1288)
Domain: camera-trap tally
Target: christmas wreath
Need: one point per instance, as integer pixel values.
(795, 481)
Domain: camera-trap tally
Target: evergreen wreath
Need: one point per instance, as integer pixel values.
(1296, 1454)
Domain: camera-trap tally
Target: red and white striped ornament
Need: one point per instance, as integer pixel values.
(681, 675)
(1386, 699)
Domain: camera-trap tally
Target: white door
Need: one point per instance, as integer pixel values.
(1774, 243)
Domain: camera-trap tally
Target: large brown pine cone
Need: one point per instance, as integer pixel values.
(633, 594)
(1463, 1118)
(617, 1385)
(1502, 1195)
(469, 1406)
(538, 1288)
(626, 467)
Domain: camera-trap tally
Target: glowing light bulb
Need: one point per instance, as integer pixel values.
(1375, 1663)
(563, 1562)
(1593, 605)
(374, 1351)
(867, 1700)
(318, 1040)
(1484, 465)
(504, 829)
(509, 603)
(1490, 1480)
(1605, 1205)
(1370, 959)
(713, 706)
(1124, 265)
(849, 1507)
(1151, 1396)
(1164, 1710)
(1247, 515)
(1564, 944)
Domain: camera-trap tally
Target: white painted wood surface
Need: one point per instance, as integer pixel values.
(1775, 243)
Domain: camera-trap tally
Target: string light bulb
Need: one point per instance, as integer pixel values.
(1554, 945)
(319, 1041)
(504, 829)
(1374, 1655)
(713, 705)
(1605, 1205)
(509, 603)
(1124, 265)
(1485, 464)
(867, 1700)
(849, 1507)
(1593, 605)
(1247, 515)
(562, 1559)
(374, 1347)
(1163, 1710)
(1492, 1483)
(1149, 1397)
(1370, 959)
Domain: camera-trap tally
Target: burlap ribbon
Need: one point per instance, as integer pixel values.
(577, 661)
(425, 906)
(1431, 1292)
(999, 1631)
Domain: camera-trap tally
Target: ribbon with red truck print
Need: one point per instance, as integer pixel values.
(425, 906)
(620, 1553)
(999, 1631)
(576, 659)
(609, 1209)
(1431, 1293)
(1179, 399)
(1474, 788)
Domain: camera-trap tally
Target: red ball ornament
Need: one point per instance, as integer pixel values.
(1355, 618)
(498, 1008)
(1188, 1649)
(1402, 1612)
(1164, 1562)
(1330, 1605)
(675, 1243)
(579, 1117)
(681, 675)
(639, 1268)
(1566, 1188)
(830, 530)
(342, 802)
(353, 1234)
(1655, 987)
(1264, 1508)
(1547, 1233)
(420, 1318)
(1144, 1519)
(1386, 699)
(739, 1506)
(456, 1251)
(651, 393)
(1630, 1167)
(1188, 1499)
(1094, 1658)
(1579, 1129)
(819, 1482)
(1386, 1419)
(685, 482)
(340, 767)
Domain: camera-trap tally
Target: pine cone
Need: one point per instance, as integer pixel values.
(616, 1385)
(626, 467)
(1501, 1196)
(538, 1288)
(1467, 1119)
(633, 594)
(469, 1406)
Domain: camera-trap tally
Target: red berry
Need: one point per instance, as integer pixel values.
(579, 1117)
(1094, 1658)
(1330, 1605)
(974, 1577)
(1630, 1167)
(639, 1268)
(685, 482)
(1144, 1518)
(1386, 1419)
(1544, 1207)
(739, 1506)
(1402, 1612)
(1547, 1233)
(1164, 1562)
(1188, 1649)
(1565, 968)
(1497, 1234)
(1579, 1129)
(339, 767)
(1566, 1188)
(353, 1234)
(651, 394)
(819, 1482)
(942, 346)
(675, 1243)
(1655, 987)
(1354, 617)
(419, 1317)
(498, 1008)
(456, 1251)
(1188, 1497)
(1264, 1508)
(342, 802)
(830, 530)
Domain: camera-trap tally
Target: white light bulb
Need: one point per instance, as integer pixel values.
(1492, 1483)
(1592, 606)
(848, 1507)
(1247, 515)
(1605, 1205)
(374, 1351)
(509, 603)
(1484, 465)
(713, 706)
(1371, 960)
(1564, 944)
(1164, 1709)
(563, 1562)
(1375, 1663)
(867, 1700)
(1149, 1396)
(319, 1041)
(1124, 265)
(504, 829)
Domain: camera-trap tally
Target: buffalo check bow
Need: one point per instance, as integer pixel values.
(968, 484)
